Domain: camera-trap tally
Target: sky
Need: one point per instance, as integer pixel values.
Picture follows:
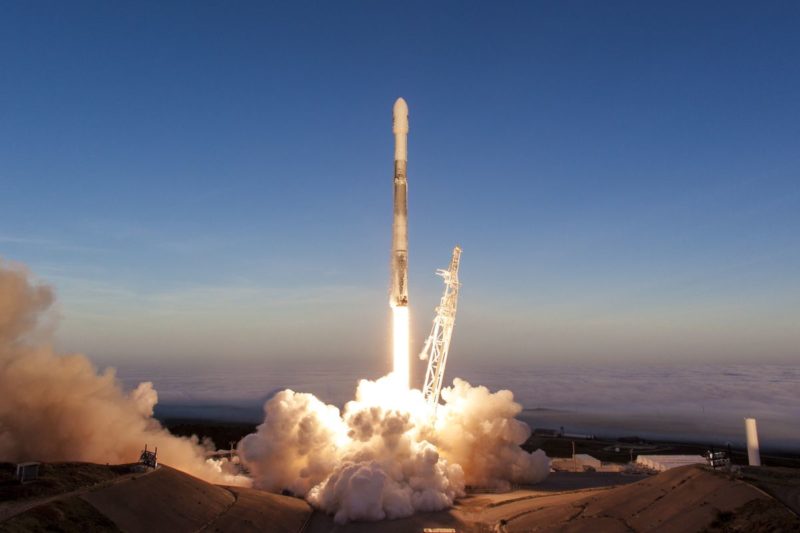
(203, 181)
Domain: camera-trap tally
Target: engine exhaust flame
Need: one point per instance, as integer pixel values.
(400, 349)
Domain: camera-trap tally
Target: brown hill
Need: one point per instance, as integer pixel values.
(170, 498)
(684, 499)
(162, 500)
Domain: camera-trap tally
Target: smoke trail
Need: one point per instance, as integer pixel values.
(59, 408)
(383, 456)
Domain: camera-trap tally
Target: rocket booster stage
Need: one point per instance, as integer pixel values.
(399, 297)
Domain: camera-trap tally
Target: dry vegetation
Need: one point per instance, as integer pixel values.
(68, 515)
(56, 478)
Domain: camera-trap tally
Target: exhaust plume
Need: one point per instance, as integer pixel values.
(384, 456)
(59, 408)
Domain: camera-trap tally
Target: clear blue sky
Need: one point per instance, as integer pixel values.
(211, 180)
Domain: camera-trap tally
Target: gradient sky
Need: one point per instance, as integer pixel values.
(204, 180)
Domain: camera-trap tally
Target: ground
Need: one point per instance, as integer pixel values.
(693, 498)
(55, 478)
(783, 484)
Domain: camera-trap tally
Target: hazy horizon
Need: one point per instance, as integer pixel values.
(681, 401)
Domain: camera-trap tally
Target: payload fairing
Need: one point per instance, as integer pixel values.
(399, 294)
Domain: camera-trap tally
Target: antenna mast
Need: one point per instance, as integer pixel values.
(438, 344)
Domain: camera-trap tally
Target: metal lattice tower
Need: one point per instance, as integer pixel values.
(438, 344)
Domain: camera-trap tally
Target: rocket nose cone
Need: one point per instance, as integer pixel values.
(400, 107)
(400, 115)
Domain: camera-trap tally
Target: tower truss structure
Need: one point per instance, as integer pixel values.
(438, 343)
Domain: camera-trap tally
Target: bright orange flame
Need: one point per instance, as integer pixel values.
(400, 334)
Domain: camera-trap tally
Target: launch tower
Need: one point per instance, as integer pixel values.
(438, 344)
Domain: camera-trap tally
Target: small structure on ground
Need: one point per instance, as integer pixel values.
(661, 463)
(27, 471)
(149, 459)
(583, 462)
(717, 459)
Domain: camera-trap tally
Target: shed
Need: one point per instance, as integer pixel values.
(27, 471)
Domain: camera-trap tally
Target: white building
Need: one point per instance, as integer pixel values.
(579, 463)
(660, 463)
(587, 461)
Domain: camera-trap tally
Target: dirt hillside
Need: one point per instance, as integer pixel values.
(685, 499)
(162, 500)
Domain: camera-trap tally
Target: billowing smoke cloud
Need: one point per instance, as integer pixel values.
(384, 456)
(478, 429)
(59, 408)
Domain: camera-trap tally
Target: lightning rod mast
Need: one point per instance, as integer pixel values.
(438, 344)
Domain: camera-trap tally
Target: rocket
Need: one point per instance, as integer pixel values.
(399, 289)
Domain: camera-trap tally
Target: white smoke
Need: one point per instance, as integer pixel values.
(59, 408)
(385, 456)
(382, 456)
(478, 430)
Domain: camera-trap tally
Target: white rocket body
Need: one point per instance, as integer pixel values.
(753, 454)
(399, 288)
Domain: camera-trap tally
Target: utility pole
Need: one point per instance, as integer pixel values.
(574, 460)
